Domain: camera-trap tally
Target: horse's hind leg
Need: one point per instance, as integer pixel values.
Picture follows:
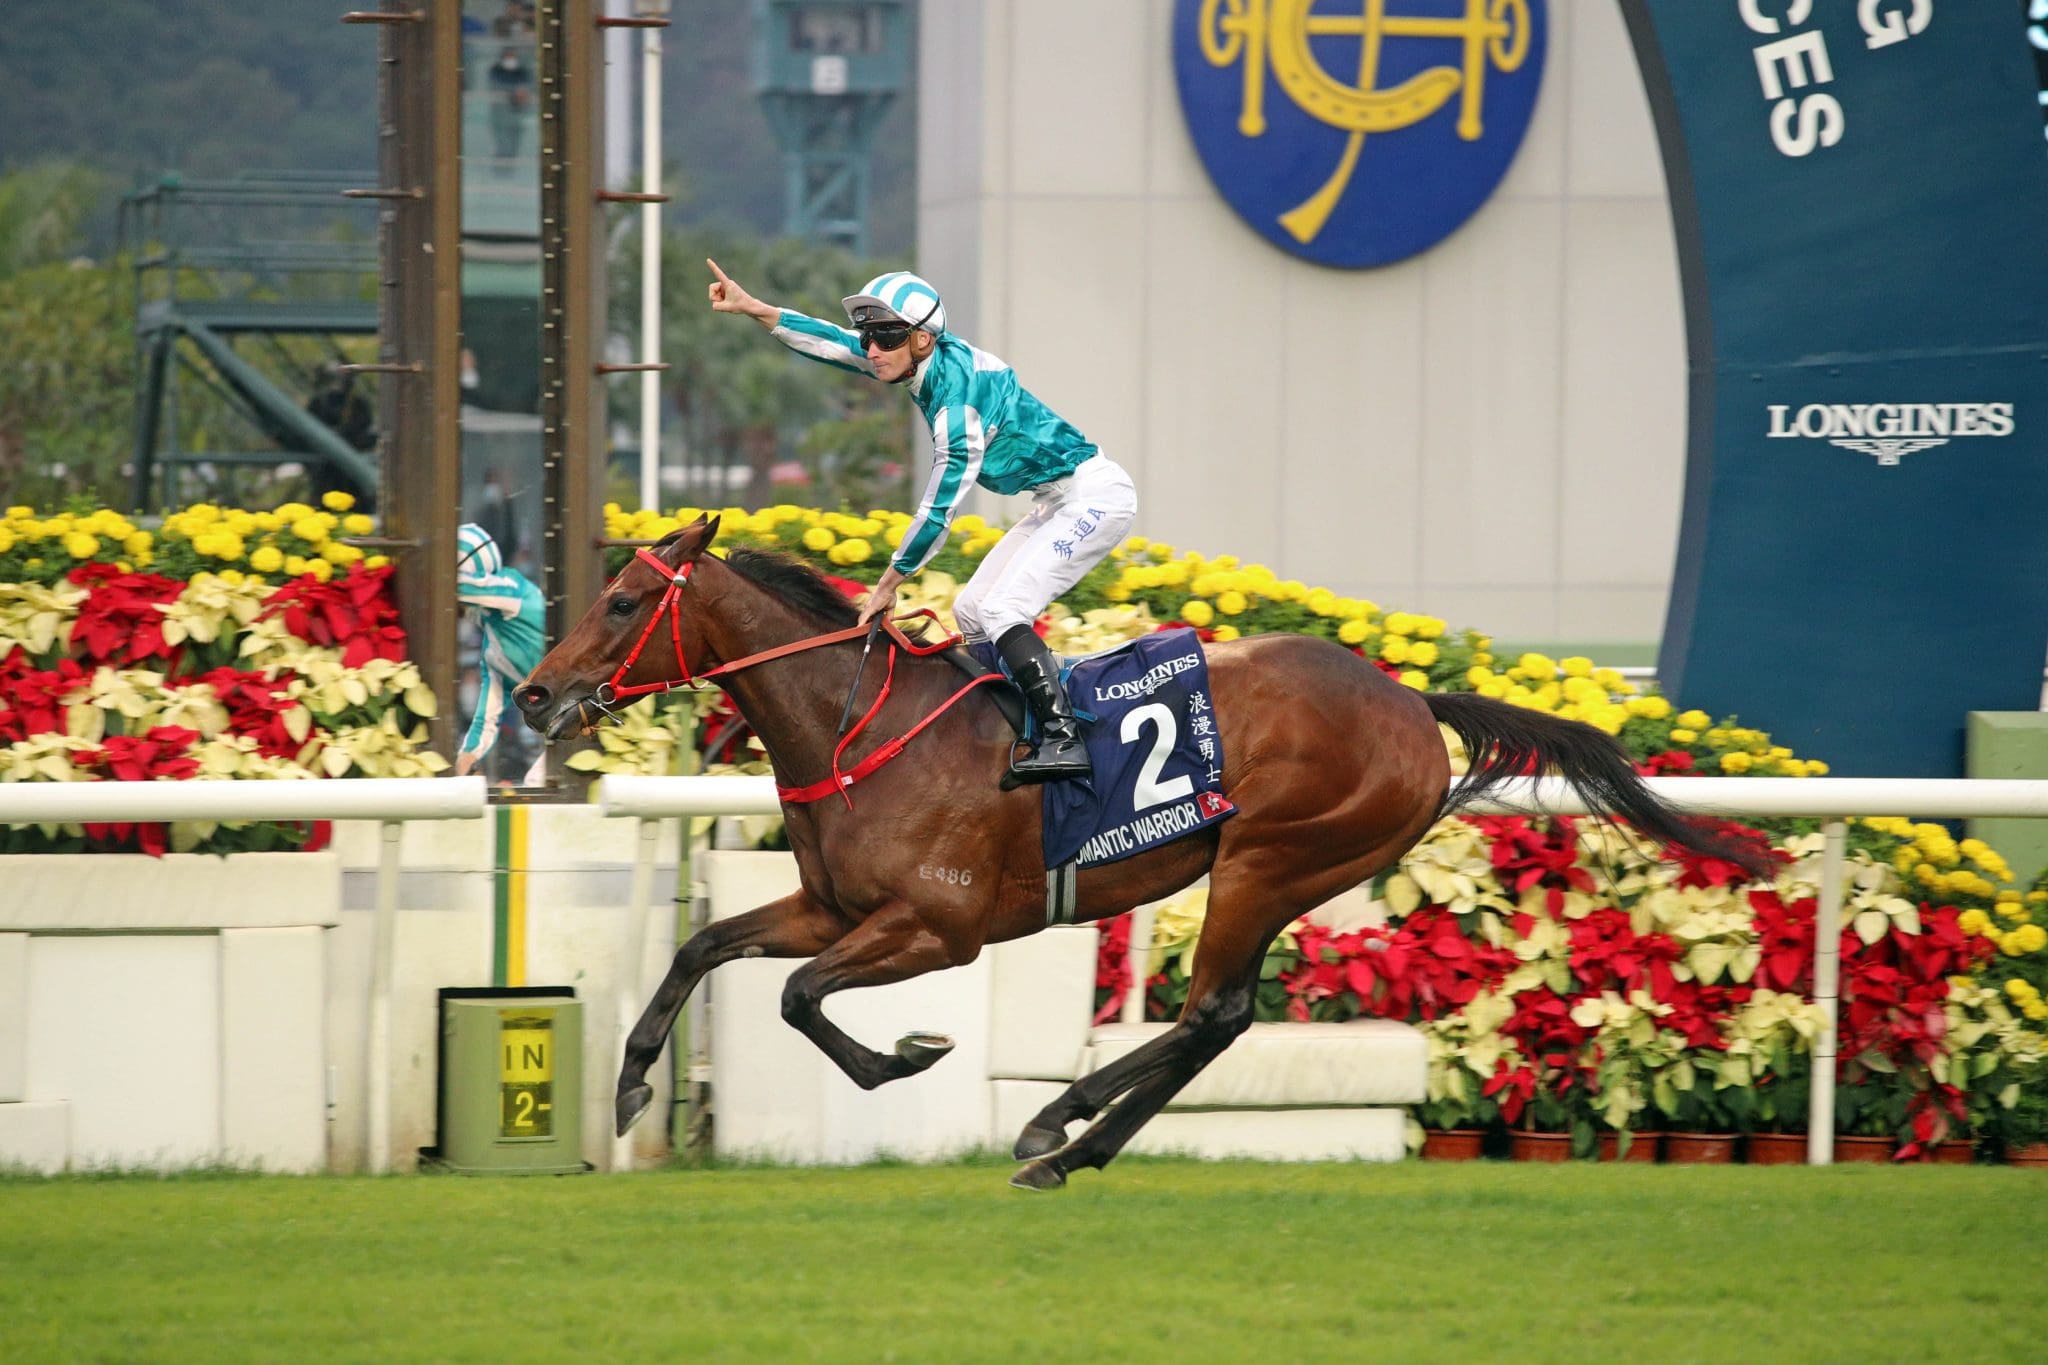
(893, 944)
(795, 926)
(1209, 1028)
(1219, 1008)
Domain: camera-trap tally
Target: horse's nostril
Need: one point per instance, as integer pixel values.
(533, 697)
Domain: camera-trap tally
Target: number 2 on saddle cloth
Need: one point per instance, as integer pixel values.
(1155, 747)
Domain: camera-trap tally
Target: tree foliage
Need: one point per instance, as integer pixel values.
(66, 381)
(741, 399)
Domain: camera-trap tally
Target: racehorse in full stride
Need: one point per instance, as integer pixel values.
(1336, 770)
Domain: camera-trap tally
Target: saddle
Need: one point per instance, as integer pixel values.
(1009, 699)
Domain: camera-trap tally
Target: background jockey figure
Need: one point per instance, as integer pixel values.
(512, 617)
(987, 429)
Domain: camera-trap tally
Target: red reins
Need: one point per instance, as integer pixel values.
(615, 690)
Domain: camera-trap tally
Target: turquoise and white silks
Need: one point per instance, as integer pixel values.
(988, 429)
(512, 618)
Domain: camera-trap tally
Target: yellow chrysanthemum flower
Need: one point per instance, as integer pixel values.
(80, 545)
(1196, 612)
(818, 540)
(1422, 653)
(1353, 632)
(1226, 632)
(337, 501)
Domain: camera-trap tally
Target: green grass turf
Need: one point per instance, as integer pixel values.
(1153, 1260)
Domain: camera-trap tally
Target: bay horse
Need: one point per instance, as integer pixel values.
(1336, 771)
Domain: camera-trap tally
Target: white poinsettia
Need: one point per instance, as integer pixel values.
(643, 742)
(1715, 926)
(1871, 902)
(269, 644)
(208, 606)
(380, 750)
(38, 617)
(1451, 867)
(44, 758)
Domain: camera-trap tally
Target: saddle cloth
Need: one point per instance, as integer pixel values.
(1157, 753)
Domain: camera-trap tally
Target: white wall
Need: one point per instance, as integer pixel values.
(1492, 432)
(192, 1009)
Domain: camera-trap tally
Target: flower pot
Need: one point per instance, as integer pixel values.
(1540, 1146)
(1777, 1149)
(1452, 1144)
(1642, 1147)
(2033, 1154)
(1951, 1152)
(1699, 1149)
(1853, 1148)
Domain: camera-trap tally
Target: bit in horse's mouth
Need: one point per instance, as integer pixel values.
(566, 722)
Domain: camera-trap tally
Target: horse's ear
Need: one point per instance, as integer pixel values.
(678, 548)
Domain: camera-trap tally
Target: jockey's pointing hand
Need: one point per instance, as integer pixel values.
(727, 297)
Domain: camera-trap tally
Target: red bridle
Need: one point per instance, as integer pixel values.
(615, 690)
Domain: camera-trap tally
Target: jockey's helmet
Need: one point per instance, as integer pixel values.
(476, 554)
(898, 296)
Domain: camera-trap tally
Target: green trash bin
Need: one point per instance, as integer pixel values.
(511, 1081)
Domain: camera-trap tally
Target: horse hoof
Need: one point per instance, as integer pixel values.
(632, 1104)
(1039, 1175)
(1035, 1141)
(922, 1049)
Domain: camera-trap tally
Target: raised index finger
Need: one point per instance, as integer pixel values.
(722, 279)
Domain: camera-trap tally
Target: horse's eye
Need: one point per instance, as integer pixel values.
(624, 606)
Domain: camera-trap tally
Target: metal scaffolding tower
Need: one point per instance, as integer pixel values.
(827, 72)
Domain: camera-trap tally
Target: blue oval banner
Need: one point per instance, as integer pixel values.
(1357, 132)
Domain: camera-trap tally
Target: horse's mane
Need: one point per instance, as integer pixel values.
(793, 581)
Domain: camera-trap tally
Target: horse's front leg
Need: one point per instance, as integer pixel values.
(893, 944)
(795, 926)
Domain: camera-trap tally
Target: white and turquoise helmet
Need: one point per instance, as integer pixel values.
(900, 295)
(476, 554)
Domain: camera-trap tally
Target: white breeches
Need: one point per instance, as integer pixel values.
(1073, 523)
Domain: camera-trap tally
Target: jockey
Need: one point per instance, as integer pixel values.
(986, 429)
(512, 617)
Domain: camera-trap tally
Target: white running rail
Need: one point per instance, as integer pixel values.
(1830, 799)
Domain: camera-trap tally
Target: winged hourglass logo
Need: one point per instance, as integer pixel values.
(1253, 32)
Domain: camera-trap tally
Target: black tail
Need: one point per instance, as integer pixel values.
(1506, 742)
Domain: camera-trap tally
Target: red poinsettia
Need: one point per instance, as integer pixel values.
(32, 700)
(118, 623)
(1512, 1087)
(163, 753)
(1530, 853)
(1670, 763)
(1784, 934)
(354, 611)
(1703, 869)
(256, 709)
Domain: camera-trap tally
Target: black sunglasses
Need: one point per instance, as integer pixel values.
(889, 336)
(887, 331)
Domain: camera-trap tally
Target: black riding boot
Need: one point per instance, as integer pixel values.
(1060, 752)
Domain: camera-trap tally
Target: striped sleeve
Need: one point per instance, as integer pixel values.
(490, 706)
(957, 445)
(836, 346)
(499, 593)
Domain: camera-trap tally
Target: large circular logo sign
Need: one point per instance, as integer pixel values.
(1357, 132)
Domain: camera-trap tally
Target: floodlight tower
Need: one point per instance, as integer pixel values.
(826, 72)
